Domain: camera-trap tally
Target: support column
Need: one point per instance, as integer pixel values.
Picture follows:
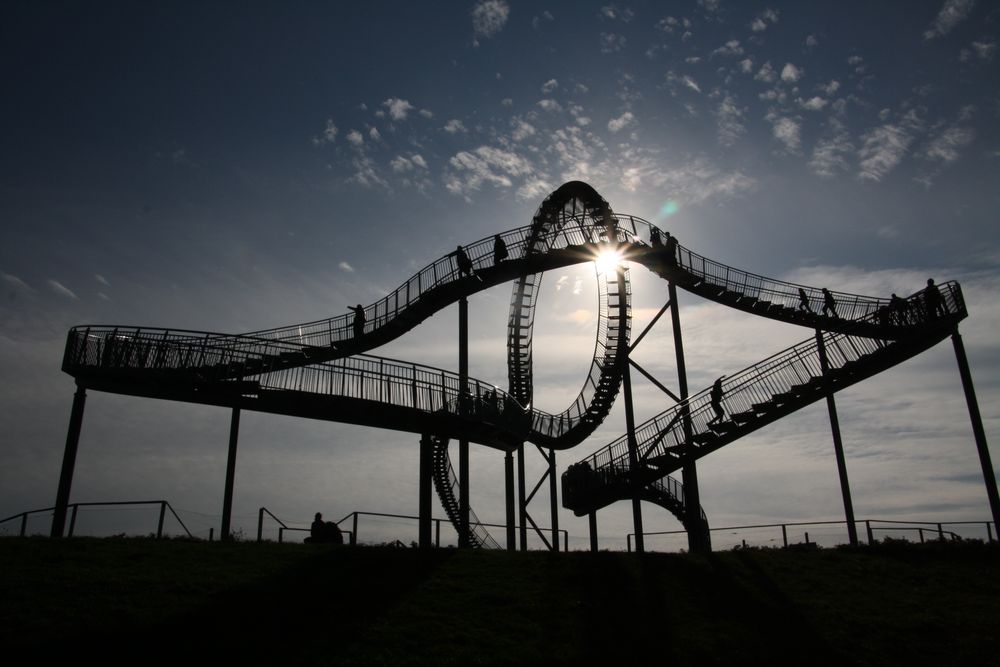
(838, 446)
(633, 458)
(227, 500)
(554, 499)
(522, 513)
(977, 428)
(508, 470)
(593, 531)
(69, 461)
(699, 539)
(463, 443)
(424, 491)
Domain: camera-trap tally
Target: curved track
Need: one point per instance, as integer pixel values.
(318, 369)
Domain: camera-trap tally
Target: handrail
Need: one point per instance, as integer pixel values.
(164, 506)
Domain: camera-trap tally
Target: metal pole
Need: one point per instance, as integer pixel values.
(260, 524)
(977, 427)
(593, 531)
(69, 461)
(554, 499)
(699, 539)
(508, 469)
(227, 500)
(838, 445)
(424, 492)
(633, 459)
(463, 443)
(354, 530)
(521, 501)
(159, 525)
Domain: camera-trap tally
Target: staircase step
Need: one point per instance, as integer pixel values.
(744, 417)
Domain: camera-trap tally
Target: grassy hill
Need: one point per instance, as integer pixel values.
(164, 602)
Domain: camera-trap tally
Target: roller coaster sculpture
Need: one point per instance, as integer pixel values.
(320, 369)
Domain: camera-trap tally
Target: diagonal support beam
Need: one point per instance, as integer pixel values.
(652, 379)
(649, 326)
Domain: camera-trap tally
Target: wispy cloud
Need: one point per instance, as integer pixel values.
(549, 86)
(831, 153)
(612, 42)
(550, 105)
(101, 279)
(787, 131)
(730, 48)
(614, 13)
(764, 19)
(884, 147)
(454, 126)
(15, 282)
(620, 123)
(61, 289)
(728, 121)
(344, 266)
(488, 18)
(328, 135)
(952, 13)
(790, 73)
(983, 49)
(469, 170)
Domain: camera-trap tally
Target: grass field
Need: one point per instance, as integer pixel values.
(143, 601)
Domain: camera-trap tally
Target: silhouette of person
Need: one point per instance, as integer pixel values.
(317, 529)
(499, 250)
(715, 396)
(463, 262)
(829, 304)
(671, 249)
(933, 301)
(804, 301)
(897, 307)
(359, 320)
(654, 237)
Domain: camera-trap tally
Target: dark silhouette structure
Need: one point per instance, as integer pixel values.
(320, 370)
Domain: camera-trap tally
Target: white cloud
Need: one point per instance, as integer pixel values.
(488, 18)
(730, 48)
(469, 170)
(522, 130)
(612, 42)
(454, 126)
(692, 60)
(427, 113)
(507, 102)
(418, 160)
(765, 18)
(667, 24)
(61, 289)
(981, 49)
(550, 105)
(831, 153)
(581, 89)
(766, 73)
(355, 138)
(813, 103)
(952, 13)
(831, 87)
(536, 21)
(812, 42)
(533, 189)
(613, 12)
(398, 109)
(728, 122)
(790, 73)
(620, 123)
(710, 6)
(746, 65)
(101, 279)
(944, 146)
(344, 266)
(329, 133)
(15, 282)
(549, 86)
(366, 172)
(685, 81)
(787, 131)
(375, 134)
(103, 297)
(884, 147)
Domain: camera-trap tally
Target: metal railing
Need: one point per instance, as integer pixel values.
(164, 506)
(756, 385)
(936, 528)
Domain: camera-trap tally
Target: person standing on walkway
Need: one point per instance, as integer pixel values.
(359, 320)
(829, 305)
(715, 396)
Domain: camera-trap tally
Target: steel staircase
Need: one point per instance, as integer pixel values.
(446, 483)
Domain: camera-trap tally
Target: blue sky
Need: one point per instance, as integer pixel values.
(230, 168)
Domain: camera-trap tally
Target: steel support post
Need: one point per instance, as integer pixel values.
(423, 491)
(69, 461)
(699, 539)
(508, 470)
(522, 512)
(554, 499)
(633, 458)
(227, 500)
(977, 427)
(463, 443)
(838, 445)
(593, 531)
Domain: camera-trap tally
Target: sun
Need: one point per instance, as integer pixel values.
(608, 260)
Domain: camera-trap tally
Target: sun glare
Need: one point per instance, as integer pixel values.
(608, 260)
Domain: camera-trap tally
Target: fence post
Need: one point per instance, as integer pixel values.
(871, 536)
(940, 532)
(784, 535)
(211, 534)
(989, 532)
(628, 543)
(24, 525)
(260, 523)
(72, 520)
(159, 525)
(354, 529)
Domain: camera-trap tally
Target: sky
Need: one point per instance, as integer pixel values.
(237, 166)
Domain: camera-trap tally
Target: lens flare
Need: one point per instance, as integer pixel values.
(668, 209)
(608, 260)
